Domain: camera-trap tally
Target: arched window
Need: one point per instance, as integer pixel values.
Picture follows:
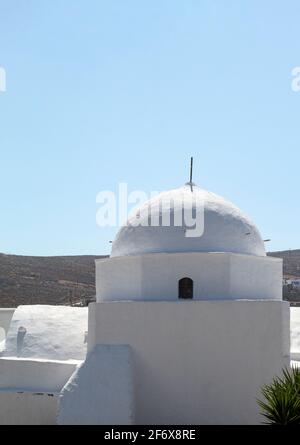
(185, 288)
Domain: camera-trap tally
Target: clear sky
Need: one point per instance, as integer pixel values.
(102, 92)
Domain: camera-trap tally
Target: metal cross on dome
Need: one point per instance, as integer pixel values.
(191, 174)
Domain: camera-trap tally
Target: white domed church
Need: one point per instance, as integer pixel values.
(188, 322)
(203, 316)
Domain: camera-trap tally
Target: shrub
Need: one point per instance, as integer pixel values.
(281, 404)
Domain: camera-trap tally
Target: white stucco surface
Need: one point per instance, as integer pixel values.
(5, 319)
(27, 408)
(29, 389)
(295, 333)
(295, 363)
(36, 375)
(215, 276)
(226, 227)
(197, 361)
(100, 392)
(50, 332)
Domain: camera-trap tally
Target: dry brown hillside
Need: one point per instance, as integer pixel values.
(291, 262)
(45, 280)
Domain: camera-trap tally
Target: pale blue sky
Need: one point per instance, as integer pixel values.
(102, 92)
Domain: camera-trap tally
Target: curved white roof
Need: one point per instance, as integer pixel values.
(226, 228)
(47, 332)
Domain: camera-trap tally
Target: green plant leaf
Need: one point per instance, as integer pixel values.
(281, 399)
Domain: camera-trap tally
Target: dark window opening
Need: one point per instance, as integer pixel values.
(185, 288)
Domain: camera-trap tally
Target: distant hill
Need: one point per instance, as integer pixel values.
(61, 280)
(66, 280)
(291, 262)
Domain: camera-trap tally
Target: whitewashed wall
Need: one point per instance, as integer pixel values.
(34, 375)
(47, 332)
(295, 334)
(43, 347)
(27, 408)
(197, 361)
(215, 276)
(100, 392)
(29, 389)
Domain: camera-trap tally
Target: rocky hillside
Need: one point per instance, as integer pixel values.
(46, 280)
(69, 280)
(291, 262)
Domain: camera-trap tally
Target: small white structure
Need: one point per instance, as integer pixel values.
(43, 347)
(185, 329)
(47, 332)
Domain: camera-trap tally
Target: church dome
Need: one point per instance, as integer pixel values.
(225, 227)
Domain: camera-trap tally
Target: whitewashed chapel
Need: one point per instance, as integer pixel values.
(185, 329)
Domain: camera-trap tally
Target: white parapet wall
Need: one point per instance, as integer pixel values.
(197, 361)
(27, 408)
(29, 389)
(36, 375)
